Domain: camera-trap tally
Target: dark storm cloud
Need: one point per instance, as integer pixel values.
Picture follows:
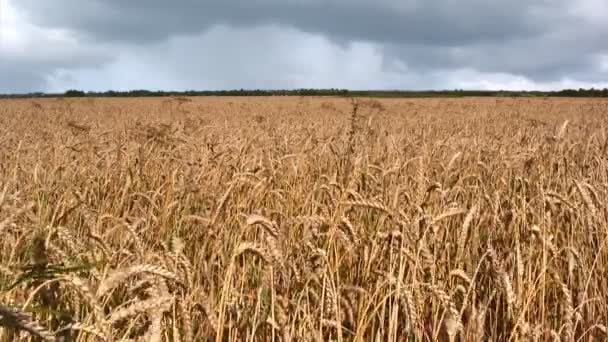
(446, 22)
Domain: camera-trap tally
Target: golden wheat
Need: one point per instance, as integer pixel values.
(283, 218)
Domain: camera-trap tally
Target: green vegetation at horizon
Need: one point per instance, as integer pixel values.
(326, 92)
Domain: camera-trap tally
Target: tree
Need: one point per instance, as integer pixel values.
(74, 93)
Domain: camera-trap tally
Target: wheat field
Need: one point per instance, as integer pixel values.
(303, 219)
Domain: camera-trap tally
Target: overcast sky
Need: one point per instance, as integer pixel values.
(357, 44)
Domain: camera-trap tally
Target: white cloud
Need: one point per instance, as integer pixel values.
(24, 41)
(471, 79)
(593, 11)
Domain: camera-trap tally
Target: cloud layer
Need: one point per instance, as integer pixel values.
(385, 44)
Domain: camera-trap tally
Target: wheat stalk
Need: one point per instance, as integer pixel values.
(15, 319)
(119, 276)
(503, 280)
(464, 232)
(91, 330)
(138, 307)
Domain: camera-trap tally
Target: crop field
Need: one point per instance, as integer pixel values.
(303, 219)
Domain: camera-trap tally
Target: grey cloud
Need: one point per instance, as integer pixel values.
(296, 43)
(540, 59)
(429, 21)
(18, 80)
(262, 57)
(29, 72)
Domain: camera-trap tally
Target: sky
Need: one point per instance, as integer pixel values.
(99, 45)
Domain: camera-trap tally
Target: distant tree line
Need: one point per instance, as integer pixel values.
(583, 92)
(235, 92)
(325, 92)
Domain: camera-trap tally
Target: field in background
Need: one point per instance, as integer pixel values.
(287, 218)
